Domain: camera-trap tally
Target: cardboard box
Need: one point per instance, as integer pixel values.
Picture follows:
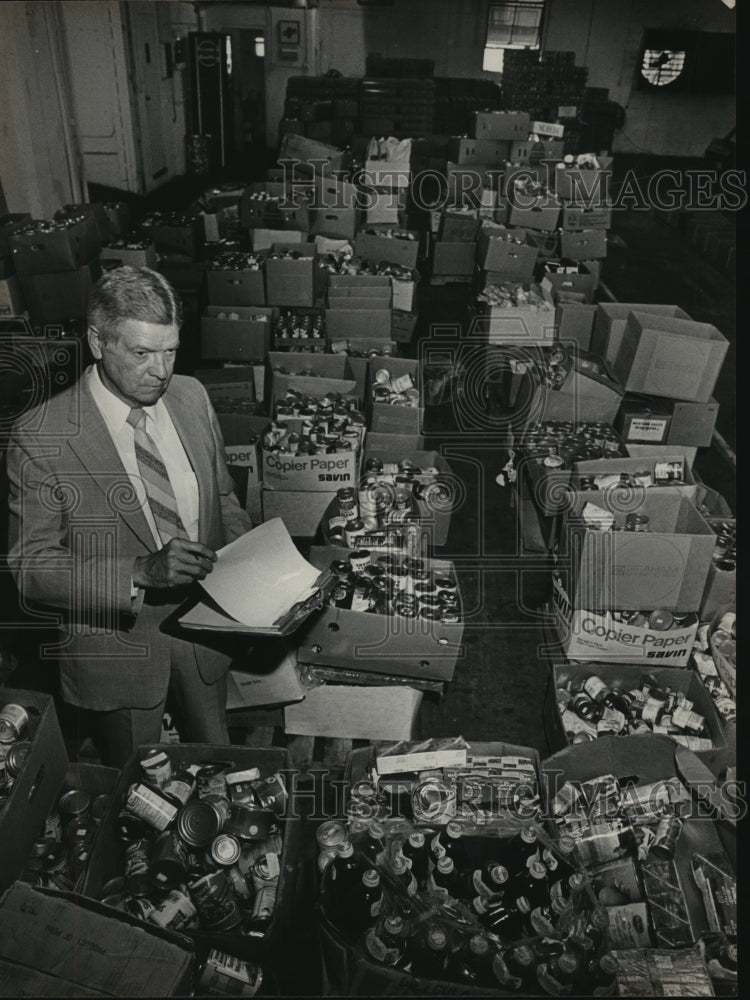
(575, 322)
(542, 215)
(310, 157)
(365, 322)
(379, 643)
(501, 124)
(270, 678)
(232, 382)
(465, 150)
(591, 635)
(665, 567)
(649, 450)
(585, 187)
(146, 257)
(388, 448)
(514, 259)
(384, 205)
(453, 258)
(355, 712)
(586, 244)
(339, 223)
(387, 419)
(577, 217)
(518, 324)
(333, 373)
(242, 444)
(459, 227)
(21, 981)
(184, 238)
(236, 288)
(52, 299)
(584, 284)
(264, 239)
(292, 282)
(300, 511)
(676, 358)
(373, 246)
(310, 473)
(653, 420)
(611, 318)
(245, 339)
(11, 300)
(81, 941)
(67, 248)
(402, 325)
(404, 294)
(108, 855)
(385, 174)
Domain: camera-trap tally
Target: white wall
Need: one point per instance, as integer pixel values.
(606, 36)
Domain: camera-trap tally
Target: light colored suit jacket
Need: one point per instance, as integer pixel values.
(76, 529)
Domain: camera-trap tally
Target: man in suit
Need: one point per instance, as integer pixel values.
(119, 499)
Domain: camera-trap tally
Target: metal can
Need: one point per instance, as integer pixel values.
(176, 910)
(353, 530)
(157, 767)
(99, 807)
(150, 805)
(636, 522)
(240, 786)
(169, 860)
(137, 863)
(73, 803)
(225, 850)
(667, 834)
(215, 901)
(53, 825)
(79, 830)
(199, 821)
(130, 827)
(212, 778)
(359, 560)
(16, 757)
(661, 620)
(248, 823)
(13, 722)
(224, 975)
(347, 503)
(265, 883)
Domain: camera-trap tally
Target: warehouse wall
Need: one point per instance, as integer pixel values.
(607, 36)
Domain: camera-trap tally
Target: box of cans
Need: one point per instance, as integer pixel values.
(140, 253)
(43, 247)
(236, 278)
(400, 246)
(33, 763)
(202, 840)
(237, 333)
(386, 625)
(587, 701)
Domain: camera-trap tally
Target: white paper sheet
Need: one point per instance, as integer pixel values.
(256, 579)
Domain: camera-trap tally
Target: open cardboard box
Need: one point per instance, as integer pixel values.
(495, 253)
(542, 215)
(291, 282)
(310, 473)
(245, 339)
(584, 283)
(387, 419)
(664, 567)
(308, 157)
(583, 396)
(236, 288)
(86, 949)
(721, 585)
(654, 420)
(625, 677)
(379, 643)
(269, 676)
(611, 318)
(300, 510)
(333, 373)
(676, 358)
(377, 247)
(107, 859)
(591, 635)
(518, 325)
(584, 187)
(465, 150)
(584, 244)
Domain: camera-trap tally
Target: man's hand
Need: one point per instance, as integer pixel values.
(179, 562)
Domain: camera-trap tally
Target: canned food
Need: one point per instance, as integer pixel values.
(249, 823)
(16, 757)
(215, 901)
(137, 863)
(149, 804)
(169, 860)
(130, 827)
(667, 834)
(661, 621)
(176, 910)
(13, 722)
(212, 779)
(636, 522)
(200, 821)
(81, 829)
(157, 767)
(352, 531)
(224, 975)
(225, 849)
(76, 802)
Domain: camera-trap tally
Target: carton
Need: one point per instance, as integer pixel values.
(333, 373)
(11, 300)
(465, 150)
(584, 284)
(385, 174)
(459, 227)
(108, 854)
(245, 339)
(270, 678)
(313, 473)
(240, 450)
(402, 325)
(513, 259)
(383, 417)
(676, 358)
(91, 947)
(585, 244)
(311, 157)
(362, 319)
(344, 711)
(233, 382)
(434, 521)
(542, 215)
(583, 395)
(625, 677)
(53, 298)
(338, 223)
(292, 282)
(721, 585)
(264, 239)
(379, 643)
(665, 567)
(236, 288)
(591, 635)
(385, 205)
(453, 258)
(184, 238)
(501, 124)
(300, 511)
(526, 325)
(578, 217)
(373, 246)
(649, 450)
(575, 322)
(64, 249)
(652, 420)
(36, 787)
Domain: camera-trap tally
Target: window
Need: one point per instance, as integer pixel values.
(514, 24)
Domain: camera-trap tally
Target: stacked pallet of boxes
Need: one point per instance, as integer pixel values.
(324, 108)
(393, 106)
(547, 85)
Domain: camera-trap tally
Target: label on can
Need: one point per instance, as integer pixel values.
(13, 721)
(226, 975)
(148, 805)
(175, 910)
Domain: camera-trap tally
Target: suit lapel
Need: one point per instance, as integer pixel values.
(97, 453)
(188, 426)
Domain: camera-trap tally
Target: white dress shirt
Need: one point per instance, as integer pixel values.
(162, 431)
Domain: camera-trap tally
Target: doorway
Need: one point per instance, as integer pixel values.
(248, 76)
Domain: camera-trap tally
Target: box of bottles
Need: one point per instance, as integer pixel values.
(203, 840)
(611, 318)
(236, 278)
(292, 275)
(587, 701)
(174, 233)
(623, 800)
(47, 247)
(56, 944)
(32, 770)
(237, 333)
(620, 636)
(656, 556)
(584, 244)
(400, 246)
(676, 358)
(410, 636)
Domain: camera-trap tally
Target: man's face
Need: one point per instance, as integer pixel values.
(137, 364)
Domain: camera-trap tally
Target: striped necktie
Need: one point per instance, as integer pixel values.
(161, 498)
